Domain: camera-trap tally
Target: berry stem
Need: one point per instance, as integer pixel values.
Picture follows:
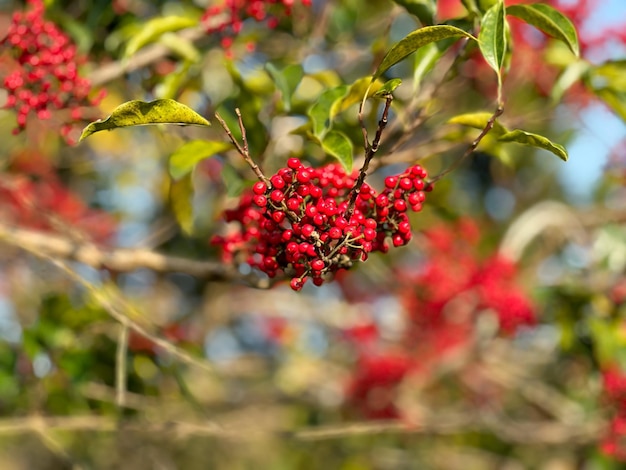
(370, 151)
(243, 151)
(472, 147)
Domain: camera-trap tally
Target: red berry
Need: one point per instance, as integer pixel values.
(259, 188)
(277, 195)
(294, 163)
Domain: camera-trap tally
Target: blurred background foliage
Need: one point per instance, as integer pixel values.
(351, 375)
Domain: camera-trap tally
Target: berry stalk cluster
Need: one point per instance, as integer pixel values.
(46, 77)
(301, 224)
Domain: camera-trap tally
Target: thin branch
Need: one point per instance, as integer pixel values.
(370, 151)
(524, 432)
(243, 151)
(120, 259)
(490, 123)
(121, 366)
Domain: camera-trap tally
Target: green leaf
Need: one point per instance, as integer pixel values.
(425, 59)
(424, 9)
(414, 41)
(614, 99)
(286, 80)
(534, 140)
(140, 113)
(611, 74)
(155, 28)
(492, 37)
(572, 74)
(181, 195)
(182, 47)
(339, 146)
(185, 158)
(324, 110)
(549, 20)
(478, 121)
(232, 180)
(388, 87)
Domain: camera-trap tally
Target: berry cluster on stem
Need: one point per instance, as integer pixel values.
(299, 224)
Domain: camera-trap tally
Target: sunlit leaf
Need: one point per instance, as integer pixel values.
(478, 121)
(492, 36)
(414, 41)
(320, 113)
(424, 9)
(286, 80)
(180, 46)
(388, 87)
(181, 195)
(185, 158)
(339, 146)
(155, 28)
(549, 20)
(140, 113)
(534, 140)
(571, 75)
(356, 93)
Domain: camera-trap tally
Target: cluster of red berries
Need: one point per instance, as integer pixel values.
(236, 11)
(614, 391)
(307, 222)
(46, 75)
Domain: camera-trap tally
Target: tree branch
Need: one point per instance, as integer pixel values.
(121, 259)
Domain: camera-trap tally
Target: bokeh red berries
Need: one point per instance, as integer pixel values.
(302, 224)
(46, 77)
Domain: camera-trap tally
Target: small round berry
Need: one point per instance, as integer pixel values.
(397, 240)
(294, 163)
(391, 181)
(303, 176)
(260, 200)
(369, 234)
(406, 184)
(317, 264)
(297, 283)
(259, 188)
(307, 230)
(277, 195)
(277, 182)
(382, 200)
(335, 233)
(404, 227)
(278, 216)
(399, 205)
(293, 204)
(315, 192)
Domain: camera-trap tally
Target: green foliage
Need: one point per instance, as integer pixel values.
(156, 29)
(187, 156)
(418, 38)
(492, 37)
(534, 140)
(550, 21)
(141, 113)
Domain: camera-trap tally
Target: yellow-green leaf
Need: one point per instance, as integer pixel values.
(185, 158)
(549, 20)
(323, 111)
(388, 87)
(339, 146)
(181, 194)
(141, 113)
(492, 37)
(414, 41)
(478, 121)
(155, 28)
(534, 140)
